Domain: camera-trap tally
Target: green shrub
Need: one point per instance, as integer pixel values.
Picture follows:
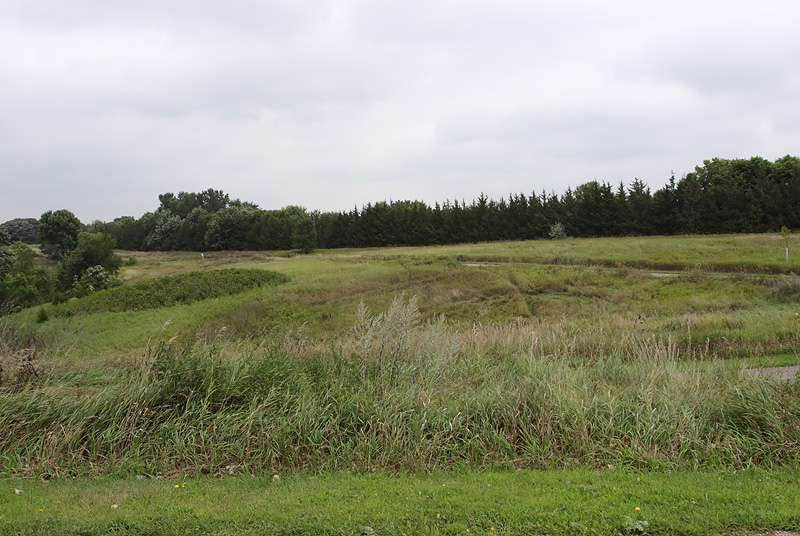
(557, 231)
(172, 290)
(92, 279)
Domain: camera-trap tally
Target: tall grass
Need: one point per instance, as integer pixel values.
(402, 395)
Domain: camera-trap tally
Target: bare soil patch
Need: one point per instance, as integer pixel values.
(778, 373)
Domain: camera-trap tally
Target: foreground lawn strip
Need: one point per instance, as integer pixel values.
(465, 502)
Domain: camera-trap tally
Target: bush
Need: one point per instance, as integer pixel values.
(20, 290)
(557, 231)
(93, 250)
(92, 279)
(173, 290)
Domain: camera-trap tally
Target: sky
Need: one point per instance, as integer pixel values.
(331, 104)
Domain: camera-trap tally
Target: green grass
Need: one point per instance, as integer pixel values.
(570, 355)
(705, 315)
(401, 395)
(460, 502)
(722, 253)
(170, 290)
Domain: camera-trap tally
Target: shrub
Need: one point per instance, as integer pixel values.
(173, 290)
(93, 279)
(93, 250)
(557, 231)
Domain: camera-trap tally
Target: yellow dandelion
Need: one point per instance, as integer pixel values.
(492, 528)
(176, 486)
(637, 508)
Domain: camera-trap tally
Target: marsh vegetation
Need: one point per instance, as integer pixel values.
(410, 359)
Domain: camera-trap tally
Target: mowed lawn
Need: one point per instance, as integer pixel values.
(444, 502)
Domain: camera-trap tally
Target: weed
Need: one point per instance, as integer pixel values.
(306, 379)
(634, 527)
(42, 316)
(383, 340)
(427, 400)
(18, 351)
(785, 290)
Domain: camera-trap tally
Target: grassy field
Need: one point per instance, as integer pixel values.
(443, 364)
(740, 313)
(457, 503)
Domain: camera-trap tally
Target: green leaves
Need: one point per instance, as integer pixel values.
(92, 249)
(58, 232)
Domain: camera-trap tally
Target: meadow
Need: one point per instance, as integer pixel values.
(607, 361)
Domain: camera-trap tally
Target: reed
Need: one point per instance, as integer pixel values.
(403, 395)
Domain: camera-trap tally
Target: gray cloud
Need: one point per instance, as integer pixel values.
(335, 103)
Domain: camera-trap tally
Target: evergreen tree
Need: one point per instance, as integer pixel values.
(640, 209)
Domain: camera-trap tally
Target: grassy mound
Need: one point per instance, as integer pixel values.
(172, 290)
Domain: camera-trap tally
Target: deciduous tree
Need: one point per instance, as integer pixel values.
(58, 233)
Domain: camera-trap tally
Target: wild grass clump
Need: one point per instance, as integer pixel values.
(786, 290)
(172, 290)
(19, 367)
(402, 395)
(396, 342)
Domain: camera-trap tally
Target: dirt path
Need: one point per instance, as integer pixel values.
(779, 373)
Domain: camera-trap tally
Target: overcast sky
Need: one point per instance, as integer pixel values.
(331, 104)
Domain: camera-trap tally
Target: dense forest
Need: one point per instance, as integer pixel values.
(721, 196)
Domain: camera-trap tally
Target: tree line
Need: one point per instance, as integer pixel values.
(721, 196)
(210, 220)
(80, 262)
